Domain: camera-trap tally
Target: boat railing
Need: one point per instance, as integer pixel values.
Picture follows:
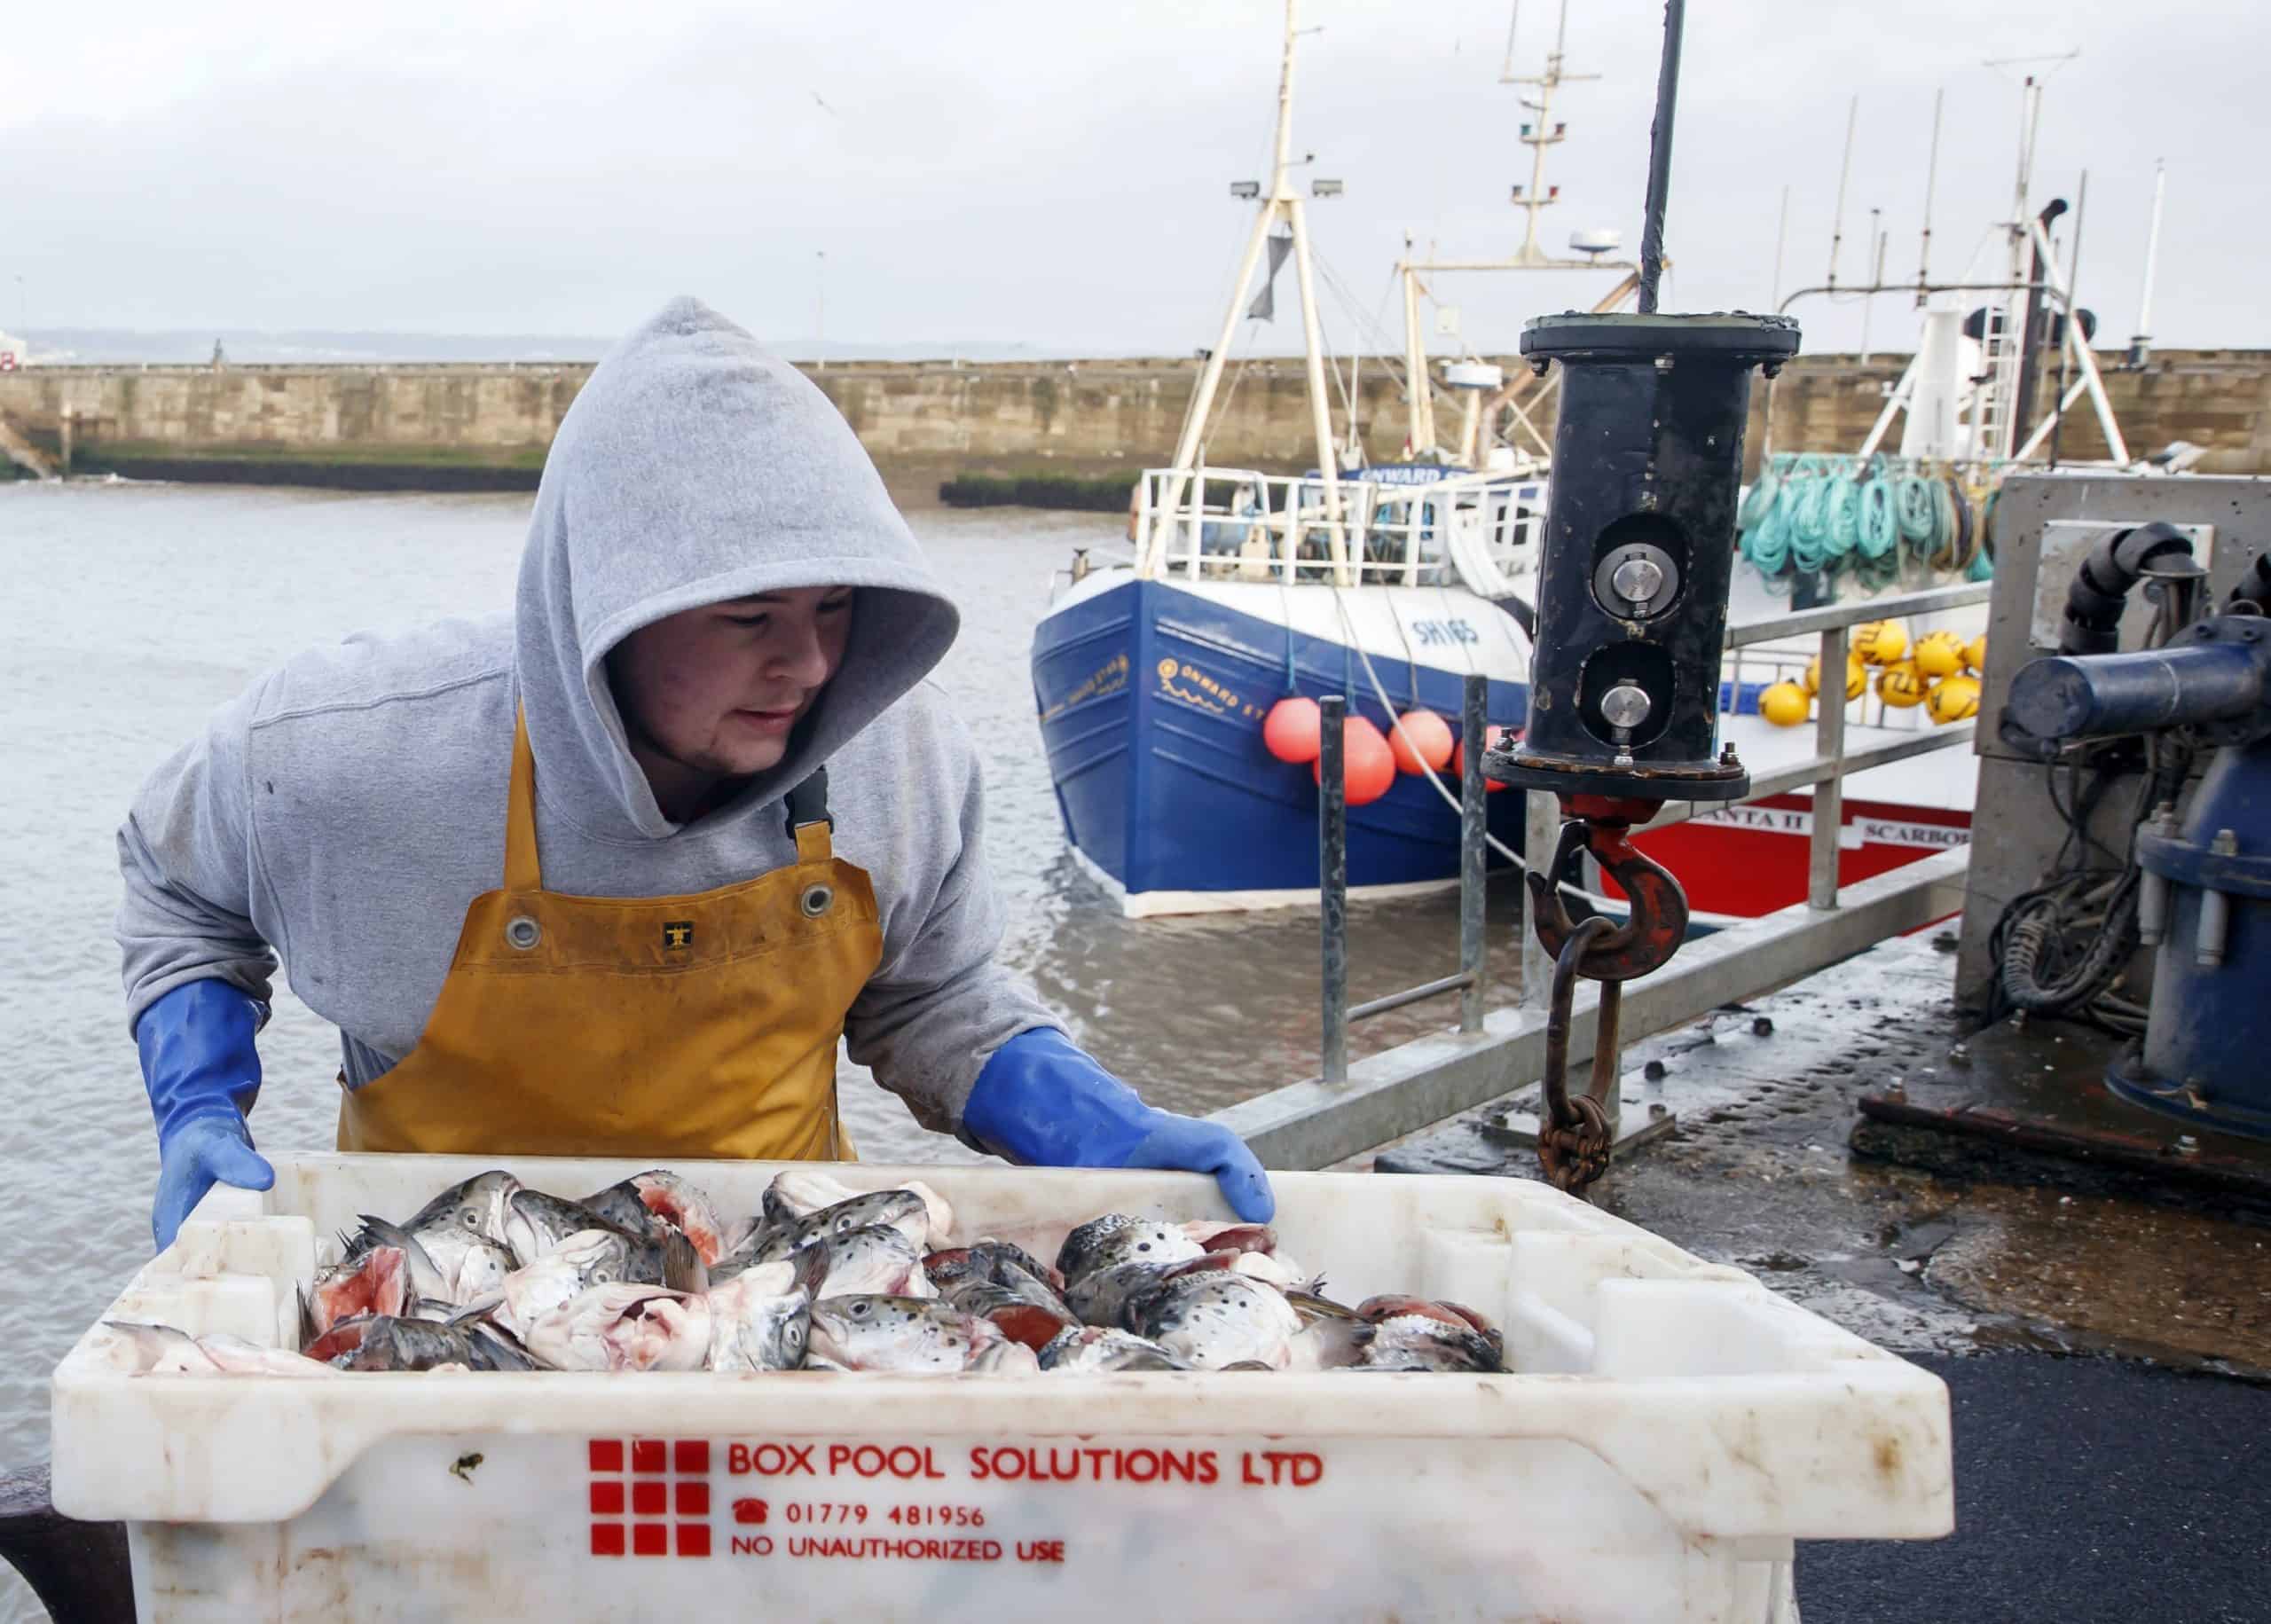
(1242, 524)
(1352, 1108)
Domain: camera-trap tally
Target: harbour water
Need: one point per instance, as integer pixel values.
(135, 610)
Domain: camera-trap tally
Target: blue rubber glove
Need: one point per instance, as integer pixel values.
(1040, 1101)
(203, 1075)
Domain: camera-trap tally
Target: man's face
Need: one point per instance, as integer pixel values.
(717, 689)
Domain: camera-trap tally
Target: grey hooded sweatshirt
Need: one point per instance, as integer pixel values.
(344, 811)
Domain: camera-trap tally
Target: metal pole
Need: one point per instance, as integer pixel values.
(2073, 315)
(1541, 834)
(2037, 312)
(2106, 424)
(1328, 466)
(1869, 299)
(1415, 360)
(1829, 795)
(1333, 880)
(1844, 174)
(1781, 232)
(1931, 180)
(1471, 828)
(1652, 227)
(1194, 422)
(2141, 341)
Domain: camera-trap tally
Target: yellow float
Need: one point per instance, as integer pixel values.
(1952, 699)
(1938, 654)
(1856, 676)
(1879, 642)
(1902, 685)
(1785, 704)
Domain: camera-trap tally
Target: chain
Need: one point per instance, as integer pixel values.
(1574, 1131)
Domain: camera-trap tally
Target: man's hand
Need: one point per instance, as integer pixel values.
(200, 1153)
(203, 1075)
(1042, 1102)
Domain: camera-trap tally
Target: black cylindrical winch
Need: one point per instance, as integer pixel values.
(1639, 551)
(1624, 674)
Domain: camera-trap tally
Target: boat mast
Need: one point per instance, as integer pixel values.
(2005, 335)
(1278, 203)
(1537, 135)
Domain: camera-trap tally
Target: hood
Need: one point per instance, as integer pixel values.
(692, 469)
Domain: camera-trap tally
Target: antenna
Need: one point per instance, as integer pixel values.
(2141, 341)
(1931, 180)
(1781, 231)
(1652, 224)
(2030, 120)
(1844, 173)
(1541, 134)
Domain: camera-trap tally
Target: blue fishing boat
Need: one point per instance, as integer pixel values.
(1153, 678)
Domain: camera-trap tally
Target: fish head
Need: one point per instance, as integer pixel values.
(474, 1208)
(1002, 1261)
(404, 1344)
(1116, 1238)
(892, 1209)
(684, 1208)
(378, 1281)
(1211, 1235)
(798, 1192)
(950, 1267)
(761, 1320)
(1101, 1296)
(622, 1327)
(546, 1286)
(895, 1333)
(1424, 1342)
(872, 1260)
(619, 1206)
(536, 1221)
(481, 1271)
(1214, 1317)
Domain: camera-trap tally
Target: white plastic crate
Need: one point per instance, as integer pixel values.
(1670, 1428)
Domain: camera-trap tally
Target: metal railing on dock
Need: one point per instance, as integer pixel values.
(1332, 879)
(1346, 1110)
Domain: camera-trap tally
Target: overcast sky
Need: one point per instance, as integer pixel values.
(1055, 172)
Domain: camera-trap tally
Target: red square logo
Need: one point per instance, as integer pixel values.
(607, 1500)
(693, 1498)
(606, 1539)
(692, 1455)
(650, 1454)
(607, 1454)
(694, 1538)
(650, 1499)
(650, 1539)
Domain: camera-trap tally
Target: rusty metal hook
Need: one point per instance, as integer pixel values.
(1658, 922)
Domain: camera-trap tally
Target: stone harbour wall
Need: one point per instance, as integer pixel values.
(491, 424)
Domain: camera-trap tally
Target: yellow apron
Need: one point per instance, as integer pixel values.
(655, 1027)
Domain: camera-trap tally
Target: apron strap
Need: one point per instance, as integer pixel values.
(521, 870)
(809, 820)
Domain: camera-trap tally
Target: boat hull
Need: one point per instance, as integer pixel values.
(1152, 696)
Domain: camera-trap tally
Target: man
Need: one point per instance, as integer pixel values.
(610, 875)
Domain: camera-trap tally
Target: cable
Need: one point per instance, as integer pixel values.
(1396, 725)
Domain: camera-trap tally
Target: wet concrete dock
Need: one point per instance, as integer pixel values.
(2106, 1335)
